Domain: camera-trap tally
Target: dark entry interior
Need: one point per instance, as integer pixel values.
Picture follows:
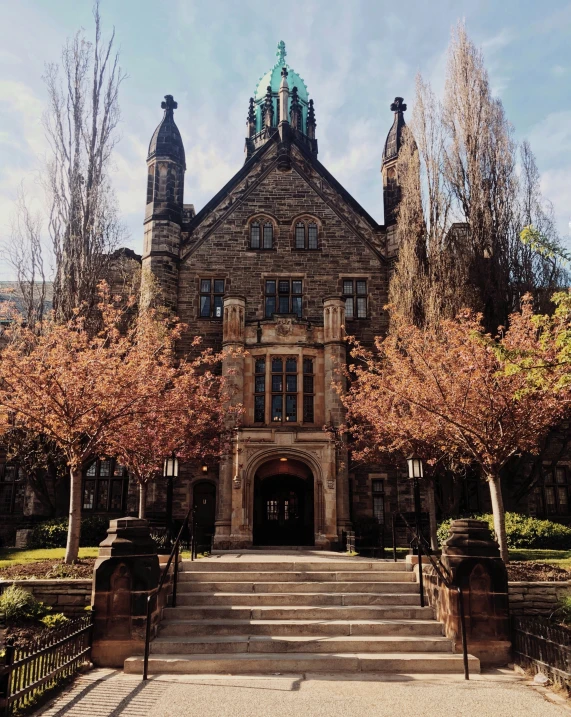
(204, 502)
(283, 506)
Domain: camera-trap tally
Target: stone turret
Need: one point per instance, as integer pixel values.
(389, 170)
(164, 211)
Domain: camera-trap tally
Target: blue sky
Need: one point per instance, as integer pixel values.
(355, 57)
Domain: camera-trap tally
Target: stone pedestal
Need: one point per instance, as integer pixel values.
(126, 571)
(473, 559)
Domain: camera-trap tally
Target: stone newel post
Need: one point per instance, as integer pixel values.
(473, 558)
(126, 571)
(233, 333)
(335, 359)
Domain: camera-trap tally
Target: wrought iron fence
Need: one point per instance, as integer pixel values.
(543, 646)
(28, 672)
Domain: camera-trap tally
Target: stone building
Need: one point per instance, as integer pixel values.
(281, 262)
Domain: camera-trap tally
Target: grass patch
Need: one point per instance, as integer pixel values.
(15, 556)
(560, 558)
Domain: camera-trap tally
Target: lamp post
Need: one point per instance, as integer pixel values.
(170, 472)
(415, 472)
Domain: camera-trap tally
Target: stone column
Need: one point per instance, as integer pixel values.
(233, 335)
(125, 572)
(335, 360)
(473, 558)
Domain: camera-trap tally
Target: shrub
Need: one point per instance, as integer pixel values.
(523, 531)
(53, 533)
(52, 622)
(18, 605)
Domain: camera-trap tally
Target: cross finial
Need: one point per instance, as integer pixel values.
(398, 105)
(281, 52)
(284, 71)
(169, 104)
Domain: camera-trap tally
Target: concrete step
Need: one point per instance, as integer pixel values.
(343, 576)
(349, 564)
(278, 628)
(265, 612)
(252, 644)
(414, 662)
(296, 588)
(295, 599)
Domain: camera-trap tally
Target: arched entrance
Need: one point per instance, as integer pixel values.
(283, 503)
(204, 503)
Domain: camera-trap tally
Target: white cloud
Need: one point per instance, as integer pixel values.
(558, 70)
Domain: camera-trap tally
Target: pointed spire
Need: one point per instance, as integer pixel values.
(269, 108)
(295, 110)
(284, 98)
(311, 121)
(251, 119)
(394, 138)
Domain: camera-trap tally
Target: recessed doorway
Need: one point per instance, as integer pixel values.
(283, 505)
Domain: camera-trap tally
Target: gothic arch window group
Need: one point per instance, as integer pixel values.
(306, 233)
(261, 233)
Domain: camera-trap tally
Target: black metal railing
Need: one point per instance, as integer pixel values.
(186, 527)
(544, 646)
(423, 548)
(28, 672)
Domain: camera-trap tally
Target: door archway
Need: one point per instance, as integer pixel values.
(283, 504)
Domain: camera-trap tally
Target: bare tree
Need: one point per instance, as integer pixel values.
(23, 252)
(466, 196)
(81, 126)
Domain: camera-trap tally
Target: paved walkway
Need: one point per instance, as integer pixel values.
(109, 693)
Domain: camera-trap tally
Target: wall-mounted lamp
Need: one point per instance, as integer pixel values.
(204, 468)
(283, 460)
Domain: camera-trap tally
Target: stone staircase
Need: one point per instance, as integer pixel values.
(247, 613)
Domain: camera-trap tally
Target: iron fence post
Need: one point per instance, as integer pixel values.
(463, 628)
(147, 637)
(394, 527)
(175, 576)
(7, 676)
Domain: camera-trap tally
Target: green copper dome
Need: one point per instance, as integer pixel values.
(271, 82)
(273, 77)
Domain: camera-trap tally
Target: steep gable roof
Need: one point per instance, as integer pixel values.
(262, 162)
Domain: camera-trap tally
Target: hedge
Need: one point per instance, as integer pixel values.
(523, 531)
(53, 533)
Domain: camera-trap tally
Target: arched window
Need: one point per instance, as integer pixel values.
(268, 235)
(306, 235)
(255, 235)
(300, 235)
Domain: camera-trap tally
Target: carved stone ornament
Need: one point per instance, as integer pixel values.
(284, 327)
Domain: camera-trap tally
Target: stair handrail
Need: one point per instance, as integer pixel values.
(443, 573)
(174, 554)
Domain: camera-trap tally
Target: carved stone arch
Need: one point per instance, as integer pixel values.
(262, 218)
(267, 454)
(306, 219)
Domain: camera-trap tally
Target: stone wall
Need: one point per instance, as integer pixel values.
(70, 596)
(536, 598)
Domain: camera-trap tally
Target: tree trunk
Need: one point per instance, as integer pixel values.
(432, 513)
(142, 499)
(74, 527)
(499, 514)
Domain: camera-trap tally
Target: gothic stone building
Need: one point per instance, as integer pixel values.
(277, 264)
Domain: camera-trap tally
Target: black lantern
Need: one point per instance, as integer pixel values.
(415, 472)
(170, 472)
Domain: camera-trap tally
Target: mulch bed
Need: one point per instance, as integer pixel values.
(48, 569)
(524, 571)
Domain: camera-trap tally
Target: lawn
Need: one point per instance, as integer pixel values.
(14, 556)
(560, 558)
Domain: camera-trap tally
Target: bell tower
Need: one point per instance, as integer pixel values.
(164, 212)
